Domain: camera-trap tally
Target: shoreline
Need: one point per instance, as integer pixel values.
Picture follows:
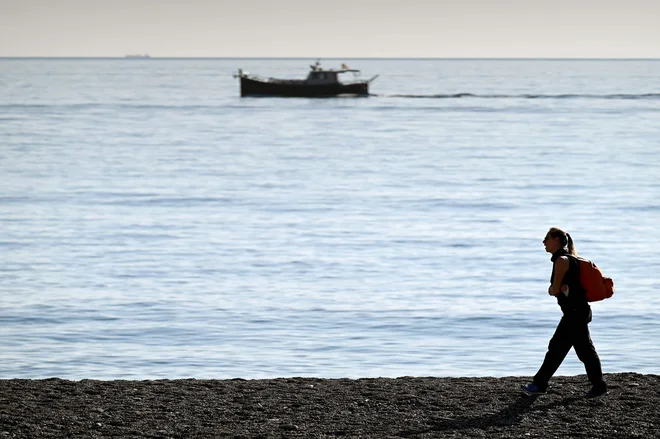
(419, 407)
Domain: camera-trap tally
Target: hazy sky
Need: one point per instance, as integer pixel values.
(331, 28)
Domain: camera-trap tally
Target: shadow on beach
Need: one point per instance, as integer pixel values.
(505, 417)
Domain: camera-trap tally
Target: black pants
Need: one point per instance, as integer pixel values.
(572, 332)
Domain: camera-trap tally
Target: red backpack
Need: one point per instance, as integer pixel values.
(596, 285)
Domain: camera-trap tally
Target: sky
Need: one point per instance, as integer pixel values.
(332, 28)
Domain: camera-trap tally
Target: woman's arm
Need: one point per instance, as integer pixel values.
(561, 267)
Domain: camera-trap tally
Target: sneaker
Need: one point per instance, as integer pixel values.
(596, 391)
(533, 389)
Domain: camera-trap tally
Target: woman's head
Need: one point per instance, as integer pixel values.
(556, 239)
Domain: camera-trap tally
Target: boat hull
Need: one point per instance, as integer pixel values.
(253, 87)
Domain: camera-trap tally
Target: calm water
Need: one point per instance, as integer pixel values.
(156, 225)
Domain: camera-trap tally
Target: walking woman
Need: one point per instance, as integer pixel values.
(573, 329)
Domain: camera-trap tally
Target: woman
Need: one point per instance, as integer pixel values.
(573, 330)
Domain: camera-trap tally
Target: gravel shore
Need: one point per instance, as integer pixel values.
(406, 407)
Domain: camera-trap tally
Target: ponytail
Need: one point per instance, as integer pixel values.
(570, 245)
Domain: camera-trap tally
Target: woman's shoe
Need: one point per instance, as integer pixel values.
(533, 389)
(597, 391)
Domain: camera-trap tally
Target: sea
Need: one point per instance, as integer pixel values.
(154, 224)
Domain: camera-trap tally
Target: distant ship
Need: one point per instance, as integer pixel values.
(137, 55)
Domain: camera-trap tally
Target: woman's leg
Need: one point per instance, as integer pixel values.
(559, 345)
(586, 352)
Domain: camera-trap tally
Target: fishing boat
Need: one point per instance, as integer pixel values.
(320, 82)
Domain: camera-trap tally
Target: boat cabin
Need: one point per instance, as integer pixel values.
(322, 77)
(319, 75)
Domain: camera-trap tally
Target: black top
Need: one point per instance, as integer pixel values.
(576, 299)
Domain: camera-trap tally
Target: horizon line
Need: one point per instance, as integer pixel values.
(150, 58)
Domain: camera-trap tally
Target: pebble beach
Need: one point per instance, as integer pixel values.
(415, 407)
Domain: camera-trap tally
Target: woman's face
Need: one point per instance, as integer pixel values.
(551, 243)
